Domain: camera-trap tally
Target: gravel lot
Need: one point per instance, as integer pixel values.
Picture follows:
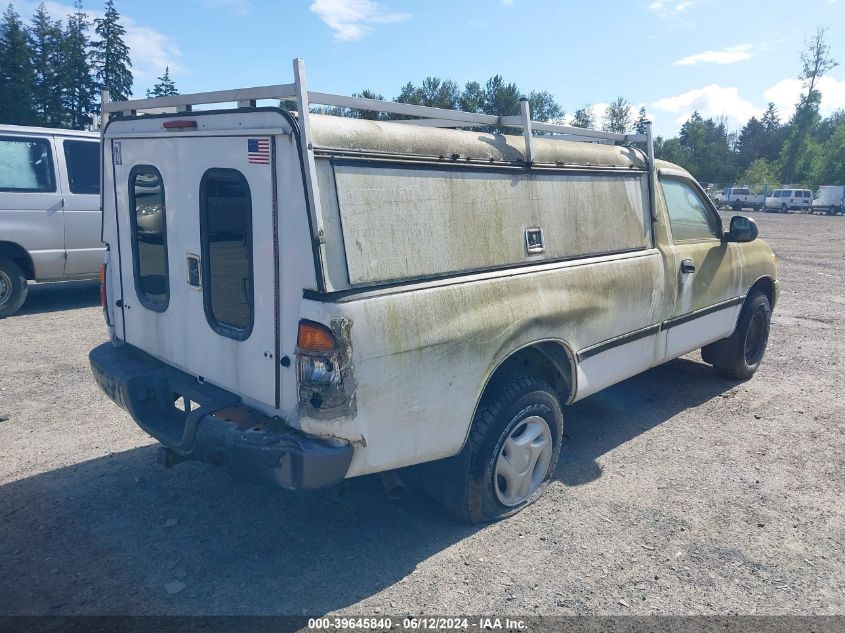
(678, 492)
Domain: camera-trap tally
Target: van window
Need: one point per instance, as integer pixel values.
(226, 234)
(26, 165)
(83, 166)
(149, 237)
(689, 216)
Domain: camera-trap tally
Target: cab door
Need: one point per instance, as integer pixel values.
(197, 219)
(706, 270)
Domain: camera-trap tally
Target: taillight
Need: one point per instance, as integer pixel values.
(316, 359)
(103, 285)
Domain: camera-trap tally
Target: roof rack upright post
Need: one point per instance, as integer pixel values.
(104, 120)
(307, 150)
(651, 170)
(104, 116)
(525, 111)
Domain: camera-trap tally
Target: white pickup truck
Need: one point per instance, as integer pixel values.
(737, 198)
(322, 297)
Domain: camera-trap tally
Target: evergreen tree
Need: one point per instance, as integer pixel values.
(45, 43)
(111, 55)
(771, 118)
(16, 73)
(472, 98)
(584, 117)
(164, 86)
(544, 107)
(752, 143)
(433, 93)
(363, 114)
(617, 117)
(640, 125)
(79, 88)
(501, 99)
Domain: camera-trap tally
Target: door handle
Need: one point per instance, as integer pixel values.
(687, 266)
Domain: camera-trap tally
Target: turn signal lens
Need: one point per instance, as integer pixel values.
(314, 337)
(103, 285)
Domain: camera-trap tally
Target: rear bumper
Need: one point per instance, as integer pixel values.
(215, 426)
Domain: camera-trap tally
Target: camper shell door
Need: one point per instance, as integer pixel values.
(197, 220)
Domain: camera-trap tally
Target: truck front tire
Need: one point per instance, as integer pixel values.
(510, 455)
(13, 288)
(747, 344)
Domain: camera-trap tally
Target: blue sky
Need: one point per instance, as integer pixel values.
(722, 57)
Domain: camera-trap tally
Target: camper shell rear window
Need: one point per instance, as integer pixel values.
(149, 237)
(227, 267)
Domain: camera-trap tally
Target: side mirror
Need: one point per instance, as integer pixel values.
(743, 229)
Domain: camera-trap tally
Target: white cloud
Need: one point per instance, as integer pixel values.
(667, 8)
(352, 19)
(710, 101)
(730, 55)
(786, 93)
(150, 50)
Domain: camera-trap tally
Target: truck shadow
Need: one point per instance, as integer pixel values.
(603, 421)
(108, 535)
(60, 295)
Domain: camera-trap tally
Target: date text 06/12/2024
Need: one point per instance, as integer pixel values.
(416, 624)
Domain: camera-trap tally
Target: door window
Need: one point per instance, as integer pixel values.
(226, 234)
(149, 237)
(83, 166)
(26, 165)
(689, 216)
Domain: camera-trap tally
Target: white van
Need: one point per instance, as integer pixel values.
(829, 199)
(322, 297)
(786, 200)
(49, 209)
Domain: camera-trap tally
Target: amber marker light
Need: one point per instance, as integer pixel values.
(314, 337)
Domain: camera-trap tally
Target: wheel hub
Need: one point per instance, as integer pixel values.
(523, 461)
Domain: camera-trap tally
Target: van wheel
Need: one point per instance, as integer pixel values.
(510, 454)
(13, 287)
(752, 336)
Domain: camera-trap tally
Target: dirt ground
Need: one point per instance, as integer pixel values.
(677, 493)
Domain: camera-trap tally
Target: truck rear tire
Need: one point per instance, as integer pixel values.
(510, 454)
(752, 336)
(13, 288)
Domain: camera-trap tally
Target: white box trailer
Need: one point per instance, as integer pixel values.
(304, 298)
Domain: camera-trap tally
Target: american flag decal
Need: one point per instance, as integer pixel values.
(258, 150)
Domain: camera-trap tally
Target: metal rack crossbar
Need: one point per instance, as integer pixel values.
(422, 115)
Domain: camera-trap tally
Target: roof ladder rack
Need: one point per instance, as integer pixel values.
(420, 115)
